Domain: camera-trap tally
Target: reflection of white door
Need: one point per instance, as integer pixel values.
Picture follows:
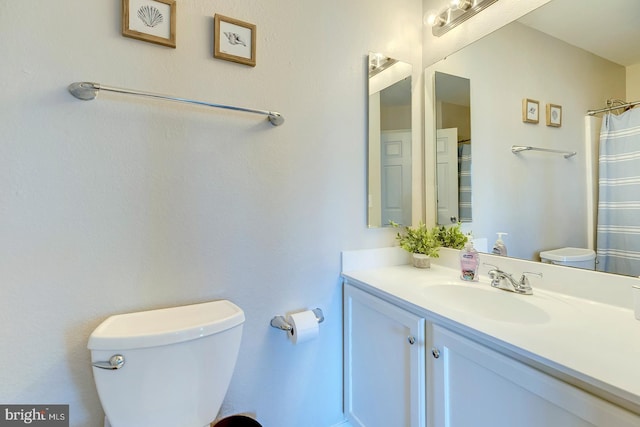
(396, 176)
(447, 175)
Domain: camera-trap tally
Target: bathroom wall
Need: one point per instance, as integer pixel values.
(538, 198)
(124, 204)
(633, 83)
(489, 20)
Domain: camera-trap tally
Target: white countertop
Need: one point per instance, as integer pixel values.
(593, 345)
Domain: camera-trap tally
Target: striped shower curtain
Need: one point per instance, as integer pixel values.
(464, 182)
(618, 231)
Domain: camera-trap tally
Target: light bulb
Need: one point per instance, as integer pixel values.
(433, 19)
(429, 18)
(461, 4)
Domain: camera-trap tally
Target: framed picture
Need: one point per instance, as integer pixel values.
(150, 20)
(554, 115)
(234, 40)
(530, 113)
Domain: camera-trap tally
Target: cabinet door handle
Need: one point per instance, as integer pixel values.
(411, 340)
(435, 352)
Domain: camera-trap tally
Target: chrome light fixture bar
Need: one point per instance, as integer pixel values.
(456, 14)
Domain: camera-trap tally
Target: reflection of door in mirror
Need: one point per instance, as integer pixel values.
(447, 175)
(453, 148)
(395, 159)
(389, 146)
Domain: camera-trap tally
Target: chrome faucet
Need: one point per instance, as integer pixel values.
(505, 281)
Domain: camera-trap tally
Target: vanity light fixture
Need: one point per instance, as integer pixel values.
(455, 14)
(378, 63)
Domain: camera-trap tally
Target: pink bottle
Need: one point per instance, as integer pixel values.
(469, 261)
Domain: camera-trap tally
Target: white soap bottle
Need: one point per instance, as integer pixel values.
(469, 262)
(499, 248)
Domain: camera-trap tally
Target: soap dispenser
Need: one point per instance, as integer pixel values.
(499, 248)
(469, 262)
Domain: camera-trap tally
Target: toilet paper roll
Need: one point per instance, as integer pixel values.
(304, 326)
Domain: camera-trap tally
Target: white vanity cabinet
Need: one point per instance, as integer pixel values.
(473, 385)
(384, 362)
(393, 355)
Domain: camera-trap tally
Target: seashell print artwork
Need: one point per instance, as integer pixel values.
(150, 16)
(234, 38)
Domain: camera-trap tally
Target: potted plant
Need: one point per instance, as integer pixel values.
(452, 237)
(421, 241)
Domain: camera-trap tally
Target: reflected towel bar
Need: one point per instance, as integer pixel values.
(89, 90)
(515, 149)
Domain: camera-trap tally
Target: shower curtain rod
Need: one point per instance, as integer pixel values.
(89, 90)
(611, 108)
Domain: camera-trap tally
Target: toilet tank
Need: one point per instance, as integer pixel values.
(178, 364)
(572, 257)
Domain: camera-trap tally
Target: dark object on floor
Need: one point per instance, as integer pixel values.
(237, 421)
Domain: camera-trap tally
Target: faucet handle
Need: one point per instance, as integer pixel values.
(524, 280)
(495, 274)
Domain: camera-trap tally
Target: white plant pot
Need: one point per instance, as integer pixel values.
(421, 261)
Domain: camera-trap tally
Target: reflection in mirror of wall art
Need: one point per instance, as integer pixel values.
(150, 20)
(390, 158)
(554, 115)
(234, 40)
(530, 112)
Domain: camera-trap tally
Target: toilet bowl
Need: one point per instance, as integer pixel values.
(572, 257)
(166, 368)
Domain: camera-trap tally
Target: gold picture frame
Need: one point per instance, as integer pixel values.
(554, 115)
(234, 40)
(152, 21)
(530, 111)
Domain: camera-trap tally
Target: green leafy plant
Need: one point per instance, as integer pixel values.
(452, 237)
(420, 239)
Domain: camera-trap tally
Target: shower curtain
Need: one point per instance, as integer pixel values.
(464, 181)
(618, 231)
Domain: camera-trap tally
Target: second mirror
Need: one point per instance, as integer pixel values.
(453, 149)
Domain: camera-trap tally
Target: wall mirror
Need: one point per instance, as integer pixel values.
(453, 149)
(559, 54)
(389, 142)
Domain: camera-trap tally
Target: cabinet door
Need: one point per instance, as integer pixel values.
(384, 363)
(476, 386)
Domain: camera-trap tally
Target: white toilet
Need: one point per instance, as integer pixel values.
(166, 368)
(572, 257)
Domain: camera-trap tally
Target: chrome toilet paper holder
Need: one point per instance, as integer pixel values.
(279, 322)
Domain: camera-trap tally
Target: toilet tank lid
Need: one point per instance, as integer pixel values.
(165, 326)
(569, 254)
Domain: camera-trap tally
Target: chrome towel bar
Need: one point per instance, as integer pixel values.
(515, 149)
(89, 90)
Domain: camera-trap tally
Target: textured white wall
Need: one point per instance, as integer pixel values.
(123, 204)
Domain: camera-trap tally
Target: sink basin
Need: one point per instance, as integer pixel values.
(490, 303)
